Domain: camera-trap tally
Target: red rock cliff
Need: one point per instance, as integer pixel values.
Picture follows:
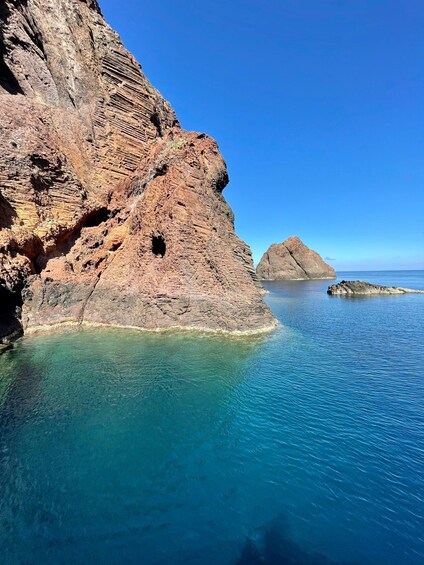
(110, 213)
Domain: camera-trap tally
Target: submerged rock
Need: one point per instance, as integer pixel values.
(349, 288)
(110, 213)
(293, 260)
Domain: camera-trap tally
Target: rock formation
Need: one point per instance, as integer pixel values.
(293, 260)
(110, 213)
(362, 288)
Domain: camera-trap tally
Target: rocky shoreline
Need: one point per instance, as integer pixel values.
(6, 341)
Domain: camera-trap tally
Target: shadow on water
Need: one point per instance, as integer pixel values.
(272, 544)
(275, 547)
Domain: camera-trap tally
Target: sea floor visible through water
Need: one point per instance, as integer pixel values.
(304, 446)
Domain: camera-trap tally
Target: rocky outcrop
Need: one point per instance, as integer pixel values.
(293, 260)
(110, 213)
(362, 288)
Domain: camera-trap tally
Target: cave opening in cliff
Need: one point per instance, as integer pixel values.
(7, 213)
(10, 311)
(7, 79)
(154, 118)
(96, 218)
(158, 245)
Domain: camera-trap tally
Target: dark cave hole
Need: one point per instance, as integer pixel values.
(96, 218)
(154, 118)
(161, 170)
(7, 213)
(39, 184)
(116, 246)
(40, 162)
(158, 245)
(7, 79)
(10, 311)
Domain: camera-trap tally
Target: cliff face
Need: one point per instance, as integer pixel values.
(293, 260)
(109, 211)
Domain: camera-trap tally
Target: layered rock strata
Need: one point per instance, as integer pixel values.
(110, 213)
(293, 260)
(362, 288)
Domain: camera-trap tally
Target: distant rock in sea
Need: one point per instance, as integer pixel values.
(293, 260)
(362, 288)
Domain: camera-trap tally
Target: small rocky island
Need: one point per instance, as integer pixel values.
(362, 288)
(293, 260)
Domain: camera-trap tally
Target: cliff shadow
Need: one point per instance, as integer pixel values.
(8, 81)
(10, 312)
(275, 547)
(7, 213)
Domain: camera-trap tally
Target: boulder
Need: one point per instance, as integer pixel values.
(293, 260)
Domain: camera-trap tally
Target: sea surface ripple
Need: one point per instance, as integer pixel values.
(302, 447)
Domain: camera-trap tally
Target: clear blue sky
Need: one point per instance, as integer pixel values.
(318, 109)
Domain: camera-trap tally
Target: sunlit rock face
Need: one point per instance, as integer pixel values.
(110, 213)
(293, 260)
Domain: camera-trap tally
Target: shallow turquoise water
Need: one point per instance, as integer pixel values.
(124, 447)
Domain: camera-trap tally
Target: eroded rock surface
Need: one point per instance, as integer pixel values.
(351, 288)
(293, 260)
(109, 211)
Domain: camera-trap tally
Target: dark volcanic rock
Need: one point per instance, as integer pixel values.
(362, 288)
(110, 213)
(293, 260)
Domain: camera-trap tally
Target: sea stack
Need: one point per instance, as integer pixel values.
(110, 213)
(293, 260)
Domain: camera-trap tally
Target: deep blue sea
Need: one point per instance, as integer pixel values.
(305, 446)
